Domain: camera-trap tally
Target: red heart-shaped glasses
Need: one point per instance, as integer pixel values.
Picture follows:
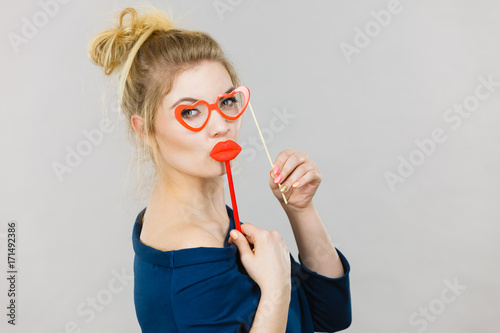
(230, 106)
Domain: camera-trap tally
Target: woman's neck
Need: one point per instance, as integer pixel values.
(191, 199)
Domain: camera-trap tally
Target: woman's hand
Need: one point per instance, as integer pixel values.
(268, 263)
(299, 176)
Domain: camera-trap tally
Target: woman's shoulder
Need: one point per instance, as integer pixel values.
(167, 233)
(178, 237)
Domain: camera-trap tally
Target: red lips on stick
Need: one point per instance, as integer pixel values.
(224, 152)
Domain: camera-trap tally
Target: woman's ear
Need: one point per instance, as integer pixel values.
(138, 126)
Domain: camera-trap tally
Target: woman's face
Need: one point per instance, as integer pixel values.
(185, 150)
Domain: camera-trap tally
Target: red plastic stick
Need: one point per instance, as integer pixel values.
(224, 152)
(233, 198)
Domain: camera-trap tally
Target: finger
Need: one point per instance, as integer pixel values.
(230, 239)
(251, 232)
(307, 178)
(277, 186)
(241, 242)
(292, 162)
(303, 174)
(280, 161)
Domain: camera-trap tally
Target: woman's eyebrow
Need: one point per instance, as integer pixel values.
(185, 99)
(194, 100)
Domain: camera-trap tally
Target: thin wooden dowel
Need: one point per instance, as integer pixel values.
(267, 152)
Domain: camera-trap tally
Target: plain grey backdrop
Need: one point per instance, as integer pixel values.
(396, 101)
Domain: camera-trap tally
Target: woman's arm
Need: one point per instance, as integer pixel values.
(300, 178)
(324, 273)
(268, 264)
(315, 247)
(272, 313)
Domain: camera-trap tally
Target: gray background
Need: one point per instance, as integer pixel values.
(356, 116)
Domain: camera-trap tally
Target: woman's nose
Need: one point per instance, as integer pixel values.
(217, 124)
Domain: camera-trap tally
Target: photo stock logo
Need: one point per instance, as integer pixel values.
(98, 302)
(223, 6)
(74, 157)
(31, 27)
(429, 313)
(363, 37)
(455, 116)
(251, 145)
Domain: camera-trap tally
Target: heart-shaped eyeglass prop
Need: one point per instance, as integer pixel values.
(229, 105)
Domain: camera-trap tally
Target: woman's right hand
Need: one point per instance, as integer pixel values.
(268, 263)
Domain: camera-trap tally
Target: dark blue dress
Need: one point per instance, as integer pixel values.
(206, 289)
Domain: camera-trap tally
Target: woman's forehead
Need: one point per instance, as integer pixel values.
(204, 81)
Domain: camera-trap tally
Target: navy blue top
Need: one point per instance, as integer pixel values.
(207, 289)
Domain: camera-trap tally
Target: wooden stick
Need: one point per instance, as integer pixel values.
(267, 152)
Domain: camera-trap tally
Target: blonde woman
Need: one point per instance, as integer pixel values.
(193, 271)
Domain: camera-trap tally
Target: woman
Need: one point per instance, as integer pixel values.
(193, 272)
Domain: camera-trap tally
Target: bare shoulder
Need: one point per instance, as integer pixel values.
(177, 237)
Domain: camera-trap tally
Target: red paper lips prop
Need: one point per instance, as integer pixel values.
(224, 152)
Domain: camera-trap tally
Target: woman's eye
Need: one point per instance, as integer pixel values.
(188, 113)
(228, 101)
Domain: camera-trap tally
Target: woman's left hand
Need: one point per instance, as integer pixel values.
(298, 175)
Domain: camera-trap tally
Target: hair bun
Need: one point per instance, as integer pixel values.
(111, 48)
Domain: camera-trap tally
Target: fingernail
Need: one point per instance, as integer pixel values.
(234, 234)
(283, 188)
(278, 179)
(296, 184)
(271, 174)
(276, 170)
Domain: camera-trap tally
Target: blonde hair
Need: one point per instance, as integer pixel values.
(150, 52)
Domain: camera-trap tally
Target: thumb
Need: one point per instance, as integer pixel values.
(241, 242)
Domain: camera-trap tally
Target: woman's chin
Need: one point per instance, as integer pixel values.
(221, 168)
